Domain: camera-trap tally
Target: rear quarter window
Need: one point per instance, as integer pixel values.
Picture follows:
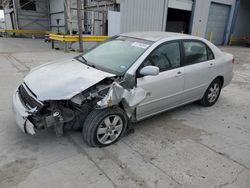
(210, 54)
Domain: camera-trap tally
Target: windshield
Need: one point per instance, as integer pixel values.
(116, 55)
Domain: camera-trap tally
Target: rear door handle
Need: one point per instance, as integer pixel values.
(178, 74)
(211, 65)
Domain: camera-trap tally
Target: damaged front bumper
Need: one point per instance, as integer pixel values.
(21, 115)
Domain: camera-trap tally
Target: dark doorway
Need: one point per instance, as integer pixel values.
(178, 20)
(28, 5)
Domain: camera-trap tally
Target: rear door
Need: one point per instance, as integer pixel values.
(164, 91)
(199, 62)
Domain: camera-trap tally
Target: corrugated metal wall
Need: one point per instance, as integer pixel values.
(242, 25)
(217, 22)
(143, 15)
(38, 19)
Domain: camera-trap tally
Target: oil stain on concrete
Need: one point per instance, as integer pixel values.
(13, 173)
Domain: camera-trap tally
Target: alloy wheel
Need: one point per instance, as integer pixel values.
(109, 129)
(213, 93)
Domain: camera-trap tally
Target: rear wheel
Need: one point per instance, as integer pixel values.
(212, 94)
(104, 127)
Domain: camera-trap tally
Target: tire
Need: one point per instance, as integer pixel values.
(104, 127)
(212, 93)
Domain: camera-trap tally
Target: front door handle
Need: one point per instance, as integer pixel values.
(178, 74)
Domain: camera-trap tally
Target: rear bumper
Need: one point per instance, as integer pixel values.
(21, 115)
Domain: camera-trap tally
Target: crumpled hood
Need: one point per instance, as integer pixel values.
(61, 80)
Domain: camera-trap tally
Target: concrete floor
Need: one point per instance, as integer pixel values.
(187, 147)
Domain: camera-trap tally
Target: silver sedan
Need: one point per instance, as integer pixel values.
(126, 79)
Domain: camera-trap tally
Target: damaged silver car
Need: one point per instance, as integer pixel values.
(126, 79)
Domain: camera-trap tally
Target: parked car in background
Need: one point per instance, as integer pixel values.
(126, 79)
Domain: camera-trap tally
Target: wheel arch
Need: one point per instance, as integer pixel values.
(130, 112)
(221, 78)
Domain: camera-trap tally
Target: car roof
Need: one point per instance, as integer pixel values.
(155, 36)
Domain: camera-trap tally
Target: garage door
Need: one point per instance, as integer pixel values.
(217, 22)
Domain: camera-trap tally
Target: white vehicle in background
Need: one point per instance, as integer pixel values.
(125, 79)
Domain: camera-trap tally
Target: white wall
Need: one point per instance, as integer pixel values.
(1, 14)
(143, 15)
(114, 23)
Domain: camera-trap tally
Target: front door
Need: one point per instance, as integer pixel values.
(164, 91)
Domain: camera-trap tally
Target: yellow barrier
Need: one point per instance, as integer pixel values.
(235, 40)
(23, 31)
(211, 37)
(75, 38)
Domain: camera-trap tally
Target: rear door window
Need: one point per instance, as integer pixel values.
(195, 52)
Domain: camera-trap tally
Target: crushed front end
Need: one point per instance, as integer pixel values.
(33, 115)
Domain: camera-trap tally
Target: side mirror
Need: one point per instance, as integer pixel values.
(149, 71)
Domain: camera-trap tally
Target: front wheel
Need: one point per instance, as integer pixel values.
(104, 127)
(212, 94)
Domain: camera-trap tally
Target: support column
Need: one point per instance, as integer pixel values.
(79, 18)
(69, 15)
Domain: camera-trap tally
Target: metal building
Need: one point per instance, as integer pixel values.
(218, 19)
(63, 15)
(58, 15)
(241, 21)
(196, 17)
(26, 14)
